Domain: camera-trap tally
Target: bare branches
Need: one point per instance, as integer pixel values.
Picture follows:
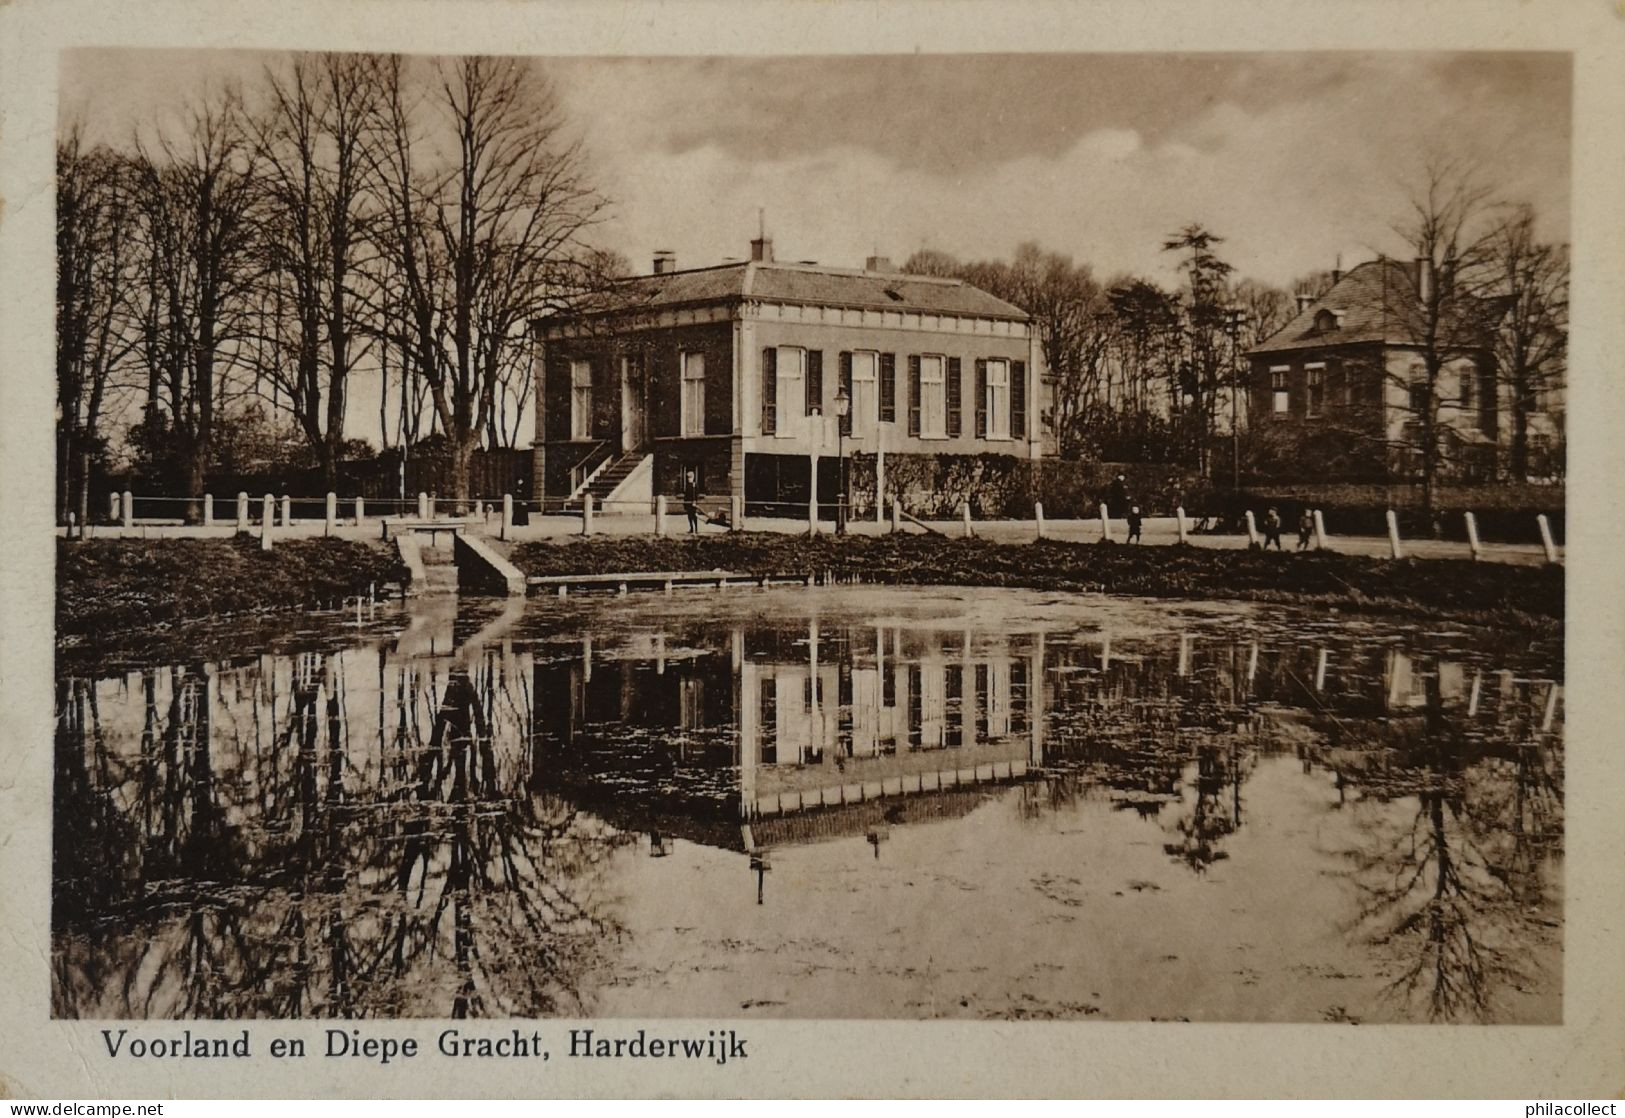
(487, 205)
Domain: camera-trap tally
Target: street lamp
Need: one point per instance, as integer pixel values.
(1234, 318)
(843, 408)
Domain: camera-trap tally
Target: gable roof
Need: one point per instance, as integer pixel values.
(1375, 302)
(810, 284)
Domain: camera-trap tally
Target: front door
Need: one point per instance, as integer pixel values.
(633, 434)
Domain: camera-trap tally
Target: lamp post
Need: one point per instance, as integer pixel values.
(843, 408)
(1234, 318)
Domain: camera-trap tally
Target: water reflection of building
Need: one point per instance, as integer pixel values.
(838, 715)
(444, 806)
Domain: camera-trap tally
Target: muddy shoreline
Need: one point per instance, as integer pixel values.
(1497, 594)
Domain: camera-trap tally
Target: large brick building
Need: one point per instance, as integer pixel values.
(733, 371)
(1341, 383)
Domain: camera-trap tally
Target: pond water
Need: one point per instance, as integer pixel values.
(838, 802)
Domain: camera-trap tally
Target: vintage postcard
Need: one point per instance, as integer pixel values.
(812, 549)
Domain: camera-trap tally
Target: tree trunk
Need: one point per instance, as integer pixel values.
(195, 469)
(462, 459)
(1520, 436)
(82, 498)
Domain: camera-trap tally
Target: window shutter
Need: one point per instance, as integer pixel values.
(815, 380)
(770, 390)
(846, 386)
(954, 392)
(914, 395)
(1018, 399)
(888, 388)
(981, 398)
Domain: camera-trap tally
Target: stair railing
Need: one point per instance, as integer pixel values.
(589, 467)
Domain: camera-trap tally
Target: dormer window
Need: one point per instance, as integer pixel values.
(1327, 320)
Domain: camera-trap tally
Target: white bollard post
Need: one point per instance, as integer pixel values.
(113, 506)
(431, 508)
(586, 514)
(127, 509)
(1546, 537)
(1252, 529)
(1320, 531)
(1038, 519)
(287, 511)
(1472, 534)
(360, 511)
(208, 510)
(964, 512)
(332, 512)
(267, 518)
(1105, 523)
(660, 515)
(1179, 517)
(1394, 549)
(507, 514)
(896, 514)
(423, 506)
(736, 513)
(242, 512)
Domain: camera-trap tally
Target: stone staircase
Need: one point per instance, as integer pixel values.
(608, 479)
(439, 567)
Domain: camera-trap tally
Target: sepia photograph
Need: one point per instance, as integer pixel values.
(908, 585)
(1047, 550)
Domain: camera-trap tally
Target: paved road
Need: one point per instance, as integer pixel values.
(1157, 531)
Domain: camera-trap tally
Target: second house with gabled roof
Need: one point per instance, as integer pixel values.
(733, 372)
(1343, 386)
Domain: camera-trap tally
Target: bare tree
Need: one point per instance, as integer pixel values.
(1440, 308)
(1313, 284)
(93, 271)
(1531, 346)
(314, 222)
(1265, 309)
(486, 202)
(195, 194)
(1147, 341)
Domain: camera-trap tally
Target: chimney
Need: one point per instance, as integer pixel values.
(1337, 269)
(665, 261)
(1304, 299)
(879, 264)
(1424, 279)
(761, 249)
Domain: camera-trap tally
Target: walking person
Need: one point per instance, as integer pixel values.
(1272, 530)
(1135, 520)
(1306, 529)
(691, 500)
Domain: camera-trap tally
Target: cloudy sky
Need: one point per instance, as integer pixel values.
(1293, 158)
(1296, 159)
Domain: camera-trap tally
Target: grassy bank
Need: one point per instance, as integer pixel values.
(132, 587)
(1488, 593)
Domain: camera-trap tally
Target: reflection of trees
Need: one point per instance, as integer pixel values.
(249, 855)
(1215, 812)
(1142, 728)
(1455, 888)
